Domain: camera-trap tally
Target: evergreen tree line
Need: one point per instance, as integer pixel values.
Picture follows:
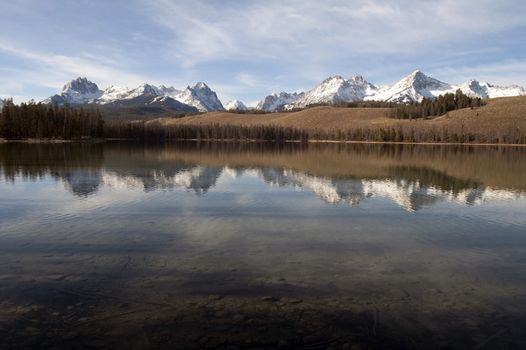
(156, 131)
(432, 134)
(401, 133)
(37, 120)
(435, 107)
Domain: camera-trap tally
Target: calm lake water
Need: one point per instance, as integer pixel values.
(123, 245)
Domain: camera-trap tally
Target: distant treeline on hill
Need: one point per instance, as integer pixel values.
(158, 131)
(408, 132)
(436, 107)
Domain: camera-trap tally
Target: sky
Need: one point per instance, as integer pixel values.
(249, 49)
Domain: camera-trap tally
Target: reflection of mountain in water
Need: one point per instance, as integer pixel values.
(408, 194)
(83, 182)
(199, 178)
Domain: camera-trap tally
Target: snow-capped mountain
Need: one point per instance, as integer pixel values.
(201, 97)
(333, 90)
(417, 85)
(278, 102)
(78, 91)
(485, 90)
(235, 105)
(192, 99)
(337, 90)
(412, 88)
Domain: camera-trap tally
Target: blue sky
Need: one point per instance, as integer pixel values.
(247, 49)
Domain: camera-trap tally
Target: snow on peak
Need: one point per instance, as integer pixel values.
(80, 86)
(201, 97)
(200, 85)
(77, 91)
(278, 102)
(333, 90)
(82, 91)
(337, 90)
(114, 93)
(413, 87)
(235, 105)
(483, 89)
(143, 89)
(168, 91)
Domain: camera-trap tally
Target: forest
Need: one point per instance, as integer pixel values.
(42, 121)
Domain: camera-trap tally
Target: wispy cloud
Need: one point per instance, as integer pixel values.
(506, 72)
(71, 66)
(251, 48)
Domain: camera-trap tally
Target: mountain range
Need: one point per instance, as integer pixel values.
(199, 98)
(333, 90)
(412, 88)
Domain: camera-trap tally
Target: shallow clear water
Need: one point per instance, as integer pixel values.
(291, 246)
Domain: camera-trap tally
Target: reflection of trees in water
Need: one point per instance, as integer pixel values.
(77, 165)
(84, 167)
(430, 177)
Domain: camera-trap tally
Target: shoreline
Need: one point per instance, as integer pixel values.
(60, 141)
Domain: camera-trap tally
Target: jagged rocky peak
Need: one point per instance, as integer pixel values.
(278, 102)
(420, 80)
(358, 78)
(168, 91)
(77, 91)
(201, 97)
(235, 105)
(81, 86)
(483, 89)
(82, 91)
(337, 90)
(475, 88)
(411, 88)
(201, 86)
(144, 89)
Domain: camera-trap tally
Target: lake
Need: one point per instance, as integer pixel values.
(223, 245)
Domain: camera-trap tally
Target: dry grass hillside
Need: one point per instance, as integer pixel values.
(502, 116)
(312, 118)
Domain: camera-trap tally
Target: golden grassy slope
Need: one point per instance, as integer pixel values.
(499, 115)
(312, 118)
